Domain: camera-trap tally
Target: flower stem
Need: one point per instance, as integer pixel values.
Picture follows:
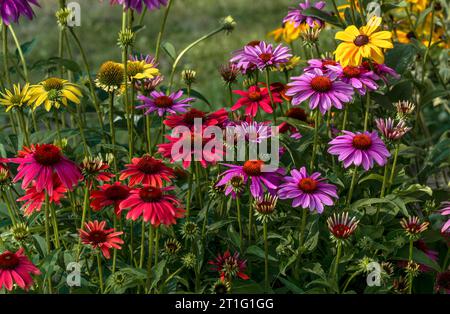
(163, 27)
(238, 208)
(23, 126)
(271, 96)
(47, 236)
(55, 227)
(250, 218)
(336, 261)
(189, 192)
(111, 128)
(344, 120)
(141, 260)
(114, 250)
(156, 245)
(20, 51)
(5, 54)
(150, 257)
(316, 136)
(8, 206)
(266, 258)
(394, 164)
(83, 215)
(125, 96)
(352, 186)
(336, 11)
(410, 279)
(100, 271)
(366, 115)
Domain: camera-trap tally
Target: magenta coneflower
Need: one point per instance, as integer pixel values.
(254, 131)
(359, 149)
(147, 171)
(254, 98)
(259, 174)
(323, 90)
(163, 104)
(39, 162)
(381, 70)
(16, 268)
(109, 195)
(239, 58)
(219, 118)
(445, 211)
(154, 205)
(340, 226)
(229, 266)
(321, 64)
(11, 10)
(413, 226)
(391, 131)
(358, 77)
(97, 236)
(295, 15)
(264, 55)
(139, 4)
(35, 199)
(307, 191)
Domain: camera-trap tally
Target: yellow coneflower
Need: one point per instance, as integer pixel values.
(110, 76)
(405, 37)
(15, 98)
(140, 70)
(53, 92)
(287, 33)
(364, 42)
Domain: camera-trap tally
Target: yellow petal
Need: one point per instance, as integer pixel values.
(382, 43)
(348, 35)
(381, 35)
(372, 25)
(71, 96)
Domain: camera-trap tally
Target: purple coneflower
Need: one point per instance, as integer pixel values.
(239, 58)
(445, 211)
(382, 70)
(264, 55)
(321, 64)
(295, 15)
(389, 130)
(11, 10)
(260, 176)
(139, 4)
(359, 149)
(413, 226)
(323, 90)
(340, 226)
(307, 191)
(358, 77)
(160, 102)
(254, 131)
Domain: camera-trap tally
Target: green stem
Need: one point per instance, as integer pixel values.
(366, 115)
(336, 11)
(148, 128)
(100, 271)
(238, 207)
(5, 54)
(23, 126)
(150, 257)
(266, 258)
(163, 27)
(83, 215)
(114, 250)
(316, 136)
(125, 96)
(410, 283)
(19, 50)
(250, 219)
(189, 193)
(55, 227)
(156, 245)
(344, 120)
(271, 96)
(141, 260)
(56, 121)
(8, 206)
(336, 261)
(394, 164)
(112, 129)
(352, 186)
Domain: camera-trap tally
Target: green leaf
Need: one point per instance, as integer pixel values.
(418, 257)
(198, 95)
(170, 50)
(27, 47)
(429, 95)
(401, 57)
(372, 176)
(291, 286)
(257, 251)
(414, 188)
(324, 16)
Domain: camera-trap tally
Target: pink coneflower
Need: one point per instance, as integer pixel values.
(109, 195)
(413, 226)
(323, 90)
(39, 162)
(295, 15)
(154, 205)
(307, 191)
(359, 149)
(239, 58)
(11, 10)
(254, 98)
(95, 170)
(235, 186)
(147, 171)
(445, 211)
(322, 64)
(16, 268)
(35, 199)
(259, 174)
(340, 226)
(219, 118)
(139, 4)
(255, 132)
(208, 149)
(264, 55)
(163, 104)
(391, 131)
(97, 236)
(229, 266)
(358, 77)
(381, 70)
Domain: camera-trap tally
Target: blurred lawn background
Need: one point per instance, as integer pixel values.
(188, 20)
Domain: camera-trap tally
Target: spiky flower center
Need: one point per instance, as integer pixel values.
(253, 168)
(150, 194)
(361, 40)
(307, 185)
(116, 193)
(16, 99)
(321, 84)
(221, 288)
(149, 165)
(341, 231)
(193, 114)
(8, 260)
(53, 84)
(135, 67)
(97, 236)
(297, 113)
(163, 102)
(111, 74)
(266, 56)
(47, 154)
(255, 95)
(351, 71)
(362, 141)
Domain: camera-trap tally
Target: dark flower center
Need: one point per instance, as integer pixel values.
(340, 231)
(253, 167)
(297, 113)
(149, 165)
(97, 236)
(362, 141)
(8, 260)
(53, 83)
(237, 181)
(220, 288)
(193, 114)
(116, 193)
(254, 43)
(307, 185)
(411, 35)
(361, 40)
(321, 84)
(47, 154)
(351, 71)
(328, 62)
(150, 194)
(163, 102)
(254, 96)
(266, 57)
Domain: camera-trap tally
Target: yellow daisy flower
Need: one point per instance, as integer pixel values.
(15, 98)
(363, 43)
(54, 92)
(140, 70)
(287, 33)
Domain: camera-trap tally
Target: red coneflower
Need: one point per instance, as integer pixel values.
(109, 195)
(229, 266)
(95, 169)
(39, 162)
(97, 236)
(341, 227)
(413, 227)
(187, 119)
(16, 268)
(147, 171)
(35, 199)
(154, 204)
(254, 98)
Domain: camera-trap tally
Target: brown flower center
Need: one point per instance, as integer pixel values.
(116, 193)
(53, 83)
(8, 260)
(149, 165)
(362, 141)
(254, 96)
(411, 35)
(193, 114)
(254, 43)
(321, 84)
(361, 40)
(297, 113)
(266, 57)
(340, 231)
(47, 154)
(328, 62)
(351, 71)
(163, 102)
(150, 194)
(97, 236)
(307, 185)
(253, 167)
